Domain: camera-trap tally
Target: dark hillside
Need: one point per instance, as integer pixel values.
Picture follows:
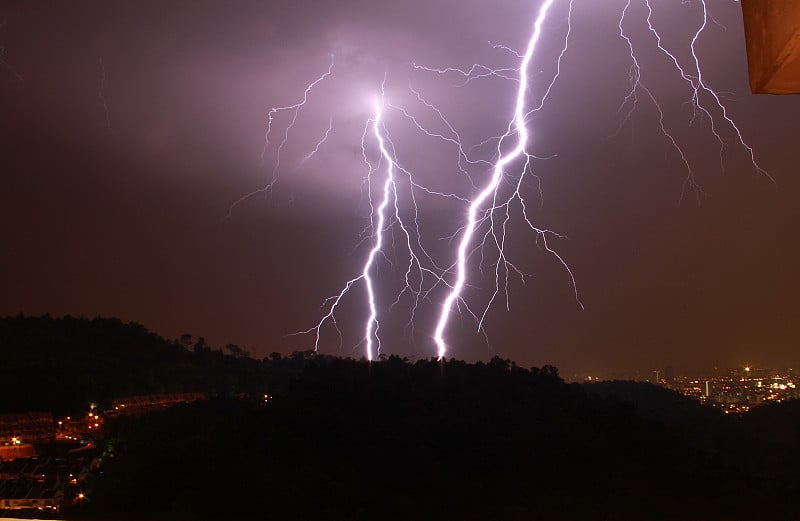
(342, 439)
(696, 423)
(429, 440)
(63, 364)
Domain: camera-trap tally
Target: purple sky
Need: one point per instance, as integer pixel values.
(125, 218)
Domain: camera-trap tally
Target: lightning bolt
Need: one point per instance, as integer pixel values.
(389, 191)
(383, 217)
(698, 87)
(700, 84)
(294, 110)
(475, 214)
(496, 195)
(637, 84)
(319, 144)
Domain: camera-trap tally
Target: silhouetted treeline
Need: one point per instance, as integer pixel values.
(425, 441)
(348, 440)
(63, 364)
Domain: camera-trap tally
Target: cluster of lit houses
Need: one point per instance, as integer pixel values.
(29, 481)
(740, 390)
(140, 404)
(32, 482)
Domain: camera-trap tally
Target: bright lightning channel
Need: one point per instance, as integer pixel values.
(371, 329)
(488, 208)
(519, 128)
(380, 225)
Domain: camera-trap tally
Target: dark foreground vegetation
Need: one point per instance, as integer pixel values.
(343, 439)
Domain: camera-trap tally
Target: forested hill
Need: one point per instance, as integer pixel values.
(63, 364)
(346, 439)
(426, 441)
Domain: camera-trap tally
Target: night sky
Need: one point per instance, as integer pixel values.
(125, 215)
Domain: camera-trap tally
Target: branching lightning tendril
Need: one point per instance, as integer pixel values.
(294, 110)
(518, 127)
(497, 192)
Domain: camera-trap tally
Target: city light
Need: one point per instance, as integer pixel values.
(737, 391)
